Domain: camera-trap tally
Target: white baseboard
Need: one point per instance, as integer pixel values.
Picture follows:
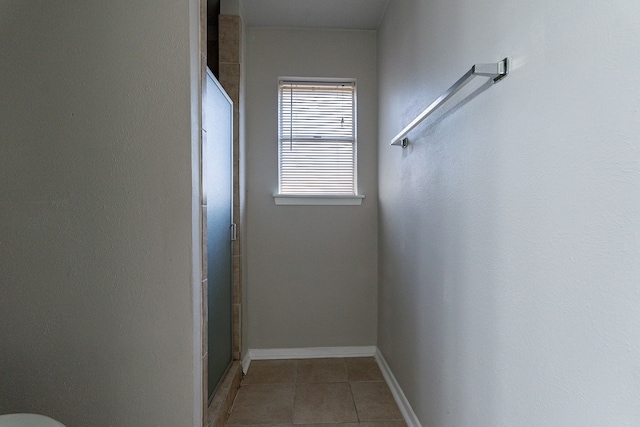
(246, 361)
(311, 352)
(305, 353)
(403, 404)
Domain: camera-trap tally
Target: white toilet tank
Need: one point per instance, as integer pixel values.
(27, 420)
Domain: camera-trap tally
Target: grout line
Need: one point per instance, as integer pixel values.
(346, 371)
(355, 407)
(295, 392)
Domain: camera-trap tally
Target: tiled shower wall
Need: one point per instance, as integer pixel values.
(229, 58)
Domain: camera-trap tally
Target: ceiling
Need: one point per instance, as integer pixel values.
(342, 14)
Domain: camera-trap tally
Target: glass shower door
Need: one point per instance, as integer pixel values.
(217, 188)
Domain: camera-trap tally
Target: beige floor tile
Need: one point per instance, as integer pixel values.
(271, 371)
(331, 425)
(321, 371)
(324, 403)
(374, 401)
(363, 369)
(382, 424)
(263, 404)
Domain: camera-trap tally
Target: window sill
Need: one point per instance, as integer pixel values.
(308, 200)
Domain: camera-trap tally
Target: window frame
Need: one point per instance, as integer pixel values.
(319, 198)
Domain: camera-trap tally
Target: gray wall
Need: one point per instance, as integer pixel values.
(96, 230)
(509, 232)
(311, 269)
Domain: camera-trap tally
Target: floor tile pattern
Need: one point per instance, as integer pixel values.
(315, 393)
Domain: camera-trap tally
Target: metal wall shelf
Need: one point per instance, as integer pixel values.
(496, 71)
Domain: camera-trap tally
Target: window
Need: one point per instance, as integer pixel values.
(317, 140)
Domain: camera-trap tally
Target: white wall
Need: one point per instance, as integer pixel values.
(311, 270)
(96, 231)
(509, 233)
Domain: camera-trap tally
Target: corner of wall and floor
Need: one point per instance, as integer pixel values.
(340, 352)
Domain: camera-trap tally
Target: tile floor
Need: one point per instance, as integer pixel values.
(315, 392)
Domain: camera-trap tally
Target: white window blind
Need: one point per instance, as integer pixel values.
(317, 138)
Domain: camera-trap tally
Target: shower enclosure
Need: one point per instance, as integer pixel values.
(217, 191)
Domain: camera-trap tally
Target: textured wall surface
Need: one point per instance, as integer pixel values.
(311, 269)
(96, 208)
(510, 230)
